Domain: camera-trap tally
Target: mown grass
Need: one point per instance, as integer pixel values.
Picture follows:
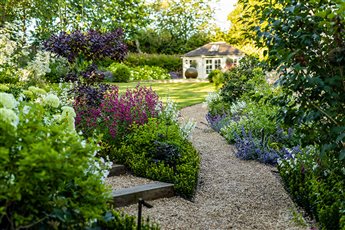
(183, 93)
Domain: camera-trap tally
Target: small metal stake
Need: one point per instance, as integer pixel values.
(141, 202)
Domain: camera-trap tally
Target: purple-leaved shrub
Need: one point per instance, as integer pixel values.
(92, 45)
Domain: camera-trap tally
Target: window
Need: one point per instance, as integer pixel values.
(208, 66)
(214, 48)
(217, 64)
(186, 61)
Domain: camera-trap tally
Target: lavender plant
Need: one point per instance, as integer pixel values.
(268, 149)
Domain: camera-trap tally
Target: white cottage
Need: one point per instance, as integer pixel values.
(211, 56)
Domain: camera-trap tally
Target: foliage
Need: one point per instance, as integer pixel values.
(168, 62)
(268, 148)
(154, 41)
(306, 43)
(112, 114)
(120, 73)
(212, 74)
(149, 73)
(123, 73)
(216, 105)
(177, 26)
(217, 121)
(115, 220)
(43, 18)
(317, 185)
(157, 150)
(91, 46)
(40, 185)
(235, 83)
(18, 63)
(58, 69)
(238, 34)
(255, 117)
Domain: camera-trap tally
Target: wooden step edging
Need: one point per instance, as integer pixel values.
(117, 170)
(127, 196)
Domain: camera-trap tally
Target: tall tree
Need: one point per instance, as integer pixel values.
(241, 21)
(180, 20)
(47, 17)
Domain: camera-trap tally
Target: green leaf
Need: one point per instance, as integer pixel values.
(342, 155)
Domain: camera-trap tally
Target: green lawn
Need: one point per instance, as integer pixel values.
(183, 93)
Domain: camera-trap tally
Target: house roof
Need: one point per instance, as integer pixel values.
(214, 49)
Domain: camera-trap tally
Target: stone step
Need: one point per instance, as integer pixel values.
(117, 170)
(152, 191)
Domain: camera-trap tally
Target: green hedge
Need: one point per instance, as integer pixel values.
(318, 185)
(158, 151)
(168, 62)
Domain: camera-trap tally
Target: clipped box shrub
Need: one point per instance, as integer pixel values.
(317, 185)
(157, 150)
(120, 73)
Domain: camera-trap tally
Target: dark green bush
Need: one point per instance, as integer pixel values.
(317, 185)
(121, 72)
(235, 82)
(158, 151)
(172, 63)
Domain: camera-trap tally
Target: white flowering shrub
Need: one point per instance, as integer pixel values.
(171, 114)
(8, 56)
(216, 105)
(47, 171)
(212, 98)
(170, 111)
(15, 62)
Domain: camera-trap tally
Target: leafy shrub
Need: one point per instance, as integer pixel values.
(212, 74)
(168, 62)
(116, 220)
(312, 73)
(149, 73)
(58, 69)
(120, 72)
(112, 114)
(90, 46)
(216, 104)
(40, 186)
(235, 83)
(19, 62)
(317, 185)
(255, 117)
(159, 151)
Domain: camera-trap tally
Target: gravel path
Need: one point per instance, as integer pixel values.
(232, 194)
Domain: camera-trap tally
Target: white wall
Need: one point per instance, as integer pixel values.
(201, 63)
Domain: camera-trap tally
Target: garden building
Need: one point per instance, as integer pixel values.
(211, 56)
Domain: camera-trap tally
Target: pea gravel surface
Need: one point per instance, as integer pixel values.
(231, 193)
